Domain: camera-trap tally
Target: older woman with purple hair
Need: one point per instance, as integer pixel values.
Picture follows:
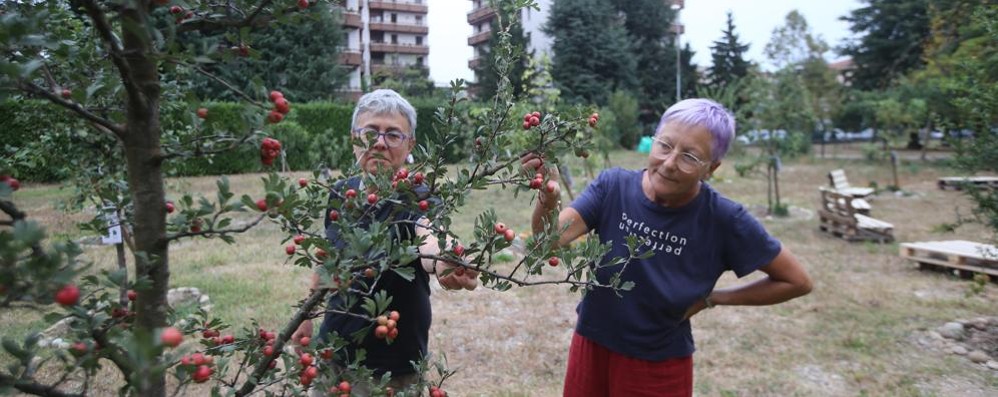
(641, 343)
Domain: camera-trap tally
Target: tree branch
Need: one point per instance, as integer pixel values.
(222, 82)
(107, 125)
(213, 232)
(34, 388)
(114, 49)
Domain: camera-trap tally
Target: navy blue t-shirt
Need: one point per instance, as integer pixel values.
(410, 298)
(693, 245)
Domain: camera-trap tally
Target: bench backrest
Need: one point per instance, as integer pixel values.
(837, 203)
(838, 179)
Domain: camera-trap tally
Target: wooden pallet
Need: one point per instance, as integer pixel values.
(839, 217)
(964, 256)
(957, 182)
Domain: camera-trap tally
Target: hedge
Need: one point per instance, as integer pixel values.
(314, 134)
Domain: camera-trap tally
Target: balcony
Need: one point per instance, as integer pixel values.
(474, 63)
(677, 28)
(351, 19)
(417, 6)
(480, 15)
(392, 68)
(400, 48)
(399, 27)
(479, 38)
(349, 58)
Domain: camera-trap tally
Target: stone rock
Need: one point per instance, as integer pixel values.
(52, 335)
(978, 357)
(993, 365)
(953, 330)
(183, 296)
(935, 335)
(958, 350)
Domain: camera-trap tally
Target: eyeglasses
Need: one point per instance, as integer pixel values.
(687, 162)
(393, 138)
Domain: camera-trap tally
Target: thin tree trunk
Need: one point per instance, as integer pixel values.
(144, 157)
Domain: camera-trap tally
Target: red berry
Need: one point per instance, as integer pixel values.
(424, 205)
(270, 144)
(267, 160)
(12, 182)
(216, 341)
(305, 381)
(274, 95)
(500, 228)
(344, 387)
(381, 332)
(227, 339)
(282, 106)
(459, 250)
(302, 4)
(372, 198)
(526, 125)
(595, 116)
(554, 261)
(305, 359)
(394, 315)
(290, 249)
(203, 113)
(304, 341)
(272, 364)
(334, 215)
(186, 360)
(370, 272)
(326, 354)
(68, 295)
(535, 121)
(302, 182)
(171, 337)
(298, 239)
(268, 351)
(403, 173)
(536, 183)
(132, 295)
(320, 253)
(536, 114)
(66, 93)
(170, 207)
(393, 333)
(509, 235)
(311, 372)
(261, 205)
(418, 178)
(274, 117)
(176, 10)
(351, 193)
(202, 374)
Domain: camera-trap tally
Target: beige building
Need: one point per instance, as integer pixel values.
(381, 36)
(481, 16)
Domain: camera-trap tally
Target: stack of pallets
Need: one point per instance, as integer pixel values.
(965, 257)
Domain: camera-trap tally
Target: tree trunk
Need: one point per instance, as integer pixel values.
(144, 157)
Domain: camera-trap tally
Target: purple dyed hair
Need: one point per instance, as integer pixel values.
(705, 113)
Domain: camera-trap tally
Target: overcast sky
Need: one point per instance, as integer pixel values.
(704, 20)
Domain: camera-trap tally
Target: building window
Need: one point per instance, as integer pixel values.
(419, 20)
(377, 37)
(419, 61)
(419, 40)
(395, 39)
(395, 18)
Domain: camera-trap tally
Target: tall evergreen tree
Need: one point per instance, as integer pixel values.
(653, 48)
(298, 57)
(592, 56)
(486, 73)
(893, 35)
(727, 54)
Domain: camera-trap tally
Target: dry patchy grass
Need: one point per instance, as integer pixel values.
(853, 336)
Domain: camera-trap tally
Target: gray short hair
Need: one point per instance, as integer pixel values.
(385, 101)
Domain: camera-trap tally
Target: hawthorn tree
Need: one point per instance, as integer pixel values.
(109, 62)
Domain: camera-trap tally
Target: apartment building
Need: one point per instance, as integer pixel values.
(382, 37)
(481, 16)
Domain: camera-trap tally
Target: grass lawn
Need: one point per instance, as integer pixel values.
(855, 335)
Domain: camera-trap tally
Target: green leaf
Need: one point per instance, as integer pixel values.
(407, 273)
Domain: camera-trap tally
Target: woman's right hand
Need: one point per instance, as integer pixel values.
(533, 164)
(305, 329)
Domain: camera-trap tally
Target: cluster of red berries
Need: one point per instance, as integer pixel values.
(387, 326)
(269, 149)
(531, 120)
(343, 388)
(202, 366)
(593, 119)
(502, 230)
(281, 107)
(181, 14)
(10, 181)
(437, 392)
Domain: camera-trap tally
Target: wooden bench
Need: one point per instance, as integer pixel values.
(964, 257)
(840, 184)
(958, 182)
(839, 217)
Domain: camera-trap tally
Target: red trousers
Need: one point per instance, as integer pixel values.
(595, 371)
